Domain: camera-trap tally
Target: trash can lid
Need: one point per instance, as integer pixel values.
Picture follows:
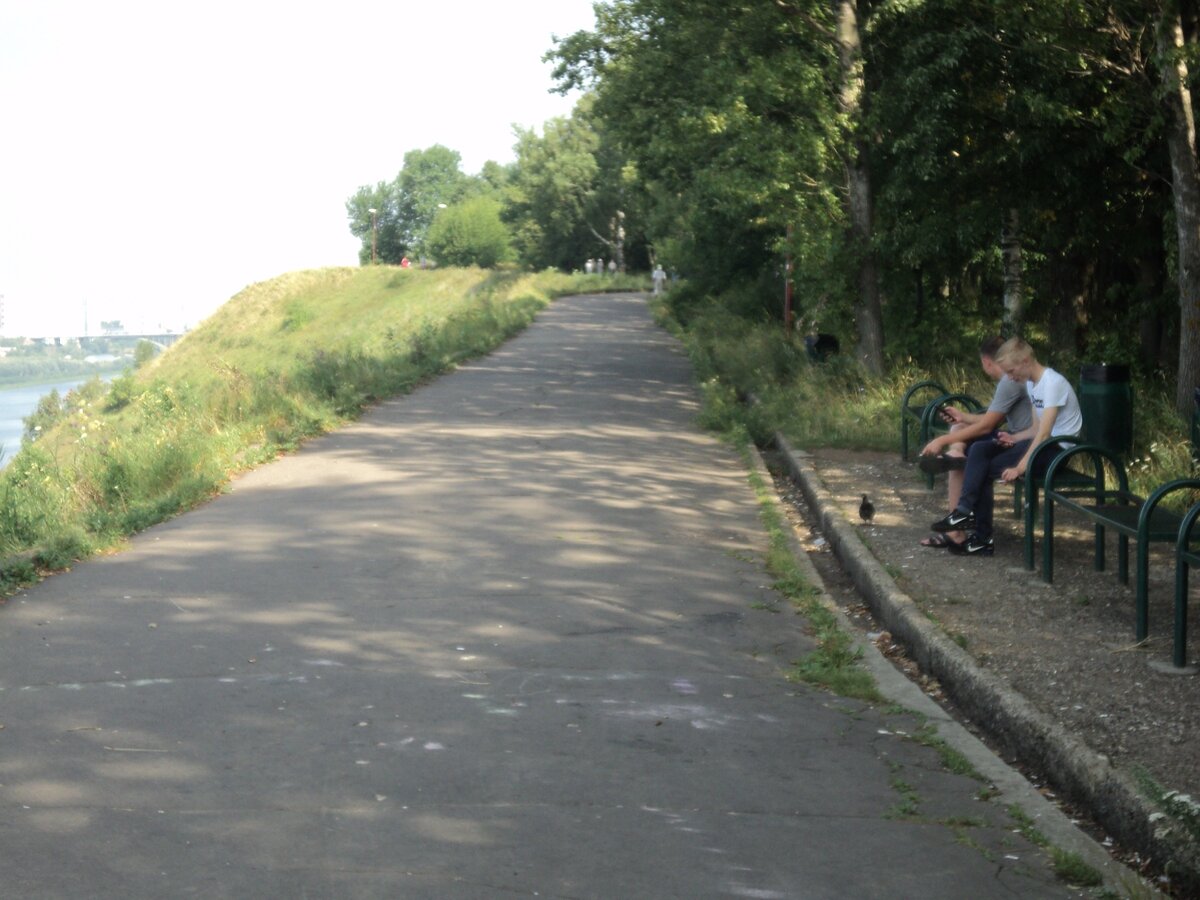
(1104, 373)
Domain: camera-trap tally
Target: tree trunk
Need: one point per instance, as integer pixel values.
(1010, 251)
(1181, 143)
(858, 184)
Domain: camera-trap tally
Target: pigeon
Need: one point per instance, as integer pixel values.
(866, 509)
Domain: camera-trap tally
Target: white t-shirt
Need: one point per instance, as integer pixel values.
(1054, 390)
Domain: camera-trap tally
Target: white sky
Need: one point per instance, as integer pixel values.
(157, 156)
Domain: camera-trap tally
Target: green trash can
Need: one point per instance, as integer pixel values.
(1106, 399)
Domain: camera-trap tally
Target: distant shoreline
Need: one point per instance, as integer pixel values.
(51, 379)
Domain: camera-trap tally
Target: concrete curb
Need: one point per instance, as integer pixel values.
(1075, 769)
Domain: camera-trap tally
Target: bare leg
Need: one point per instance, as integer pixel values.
(954, 483)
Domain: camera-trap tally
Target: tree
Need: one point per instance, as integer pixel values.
(381, 227)
(725, 119)
(1173, 52)
(469, 233)
(860, 195)
(405, 206)
(430, 179)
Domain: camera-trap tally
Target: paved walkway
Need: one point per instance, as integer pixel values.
(509, 635)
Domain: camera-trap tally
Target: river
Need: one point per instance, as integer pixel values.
(17, 403)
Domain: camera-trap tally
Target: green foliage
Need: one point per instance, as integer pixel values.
(571, 195)
(469, 233)
(60, 551)
(49, 412)
(33, 500)
(121, 391)
(143, 353)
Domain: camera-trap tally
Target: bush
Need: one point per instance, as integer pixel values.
(469, 234)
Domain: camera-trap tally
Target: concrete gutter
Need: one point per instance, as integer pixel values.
(1022, 731)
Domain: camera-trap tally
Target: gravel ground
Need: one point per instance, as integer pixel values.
(1068, 647)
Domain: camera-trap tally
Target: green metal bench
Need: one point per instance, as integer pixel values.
(921, 407)
(1116, 508)
(1185, 558)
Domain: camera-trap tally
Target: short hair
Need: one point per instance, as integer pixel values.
(1014, 350)
(990, 346)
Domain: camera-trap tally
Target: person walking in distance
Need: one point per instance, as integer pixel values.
(660, 279)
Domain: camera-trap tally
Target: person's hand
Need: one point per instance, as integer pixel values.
(933, 448)
(952, 415)
(1004, 439)
(1012, 474)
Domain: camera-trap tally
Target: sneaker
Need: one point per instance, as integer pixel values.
(957, 520)
(936, 465)
(973, 546)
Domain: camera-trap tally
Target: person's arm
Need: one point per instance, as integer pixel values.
(983, 423)
(957, 416)
(1045, 428)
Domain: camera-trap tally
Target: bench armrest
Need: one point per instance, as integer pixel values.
(1095, 452)
(1153, 500)
(919, 386)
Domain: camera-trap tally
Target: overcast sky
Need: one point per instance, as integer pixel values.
(156, 157)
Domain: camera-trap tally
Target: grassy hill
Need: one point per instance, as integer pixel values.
(283, 360)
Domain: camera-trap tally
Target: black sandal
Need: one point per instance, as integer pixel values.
(937, 542)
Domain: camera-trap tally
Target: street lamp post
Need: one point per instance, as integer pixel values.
(374, 231)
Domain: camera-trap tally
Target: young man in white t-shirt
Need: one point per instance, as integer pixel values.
(1056, 413)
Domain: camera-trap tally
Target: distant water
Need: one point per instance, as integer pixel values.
(19, 402)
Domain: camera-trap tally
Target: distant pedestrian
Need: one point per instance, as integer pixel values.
(660, 279)
(589, 267)
(612, 267)
(405, 264)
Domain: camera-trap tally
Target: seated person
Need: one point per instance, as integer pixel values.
(1007, 456)
(948, 452)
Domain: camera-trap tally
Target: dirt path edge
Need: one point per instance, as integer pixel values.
(1077, 771)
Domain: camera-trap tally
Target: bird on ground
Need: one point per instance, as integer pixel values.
(866, 509)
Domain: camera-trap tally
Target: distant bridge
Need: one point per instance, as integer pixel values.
(163, 340)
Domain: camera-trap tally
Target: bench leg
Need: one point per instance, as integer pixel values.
(1048, 541)
(1179, 657)
(1142, 591)
(1030, 513)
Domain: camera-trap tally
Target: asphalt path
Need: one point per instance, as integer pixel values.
(510, 635)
